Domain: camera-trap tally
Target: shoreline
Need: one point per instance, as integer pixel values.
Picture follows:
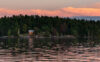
(21, 36)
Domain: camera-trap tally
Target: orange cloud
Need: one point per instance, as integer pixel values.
(63, 12)
(83, 11)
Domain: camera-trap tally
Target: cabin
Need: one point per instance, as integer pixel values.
(31, 32)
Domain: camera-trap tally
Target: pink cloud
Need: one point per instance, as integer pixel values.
(63, 12)
(95, 5)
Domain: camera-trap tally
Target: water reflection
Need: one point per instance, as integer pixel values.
(49, 50)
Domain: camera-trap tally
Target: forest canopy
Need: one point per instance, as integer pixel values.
(54, 26)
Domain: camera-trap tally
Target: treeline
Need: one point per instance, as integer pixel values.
(45, 25)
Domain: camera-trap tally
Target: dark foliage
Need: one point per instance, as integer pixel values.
(49, 25)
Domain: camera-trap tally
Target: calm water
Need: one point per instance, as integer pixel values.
(49, 50)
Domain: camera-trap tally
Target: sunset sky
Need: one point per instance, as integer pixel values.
(63, 8)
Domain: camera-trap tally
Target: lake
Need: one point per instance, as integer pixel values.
(49, 50)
